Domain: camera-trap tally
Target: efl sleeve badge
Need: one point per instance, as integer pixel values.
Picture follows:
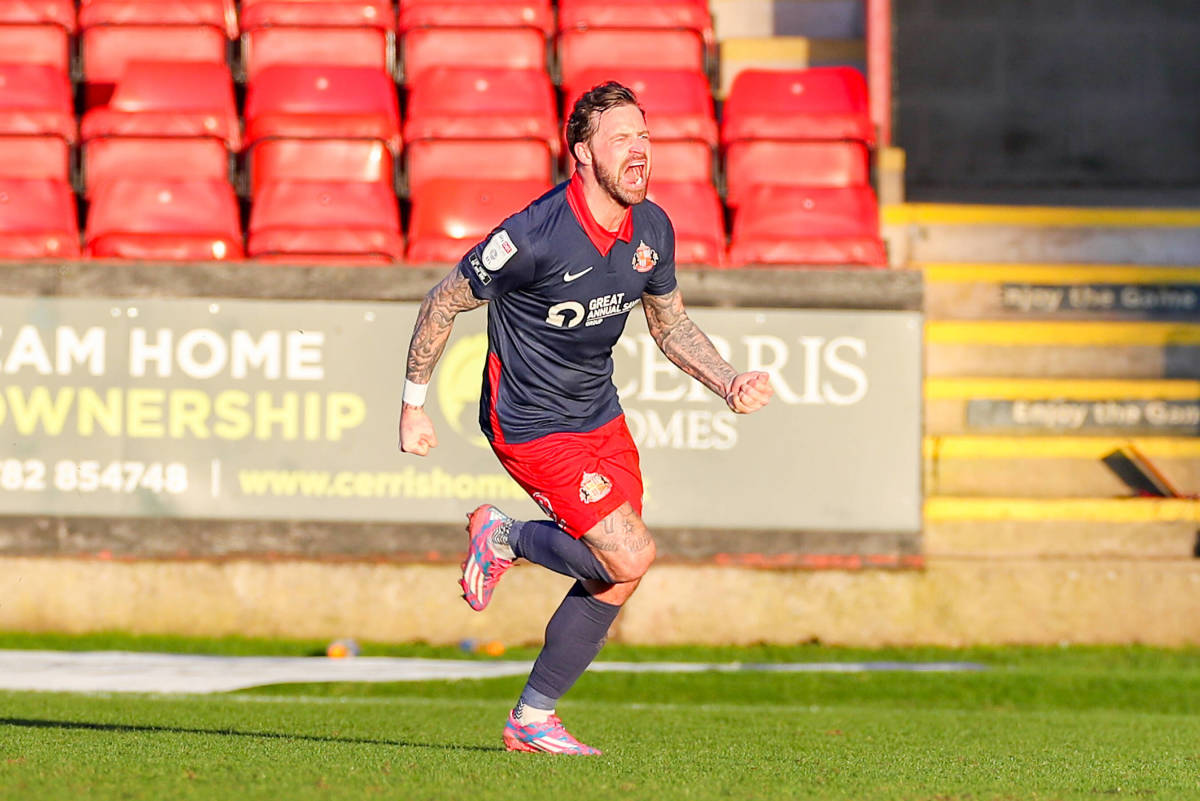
(498, 251)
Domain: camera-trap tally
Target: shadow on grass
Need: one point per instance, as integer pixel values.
(29, 723)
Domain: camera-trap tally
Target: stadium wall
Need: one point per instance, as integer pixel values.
(1051, 93)
(1044, 572)
(114, 423)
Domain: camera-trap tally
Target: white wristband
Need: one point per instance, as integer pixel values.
(414, 394)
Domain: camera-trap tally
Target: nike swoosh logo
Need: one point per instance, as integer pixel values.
(569, 276)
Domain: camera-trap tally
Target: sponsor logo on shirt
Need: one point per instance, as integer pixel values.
(644, 258)
(557, 314)
(605, 306)
(569, 276)
(499, 250)
(570, 313)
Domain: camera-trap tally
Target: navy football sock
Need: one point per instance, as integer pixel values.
(574, 635)
(545, 544)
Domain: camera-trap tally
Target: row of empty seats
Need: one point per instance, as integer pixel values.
(403, 41)
(342, 122)
(317, 124)
(178, 121)
(359, 223)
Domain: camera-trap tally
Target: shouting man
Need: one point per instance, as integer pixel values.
(560, 278)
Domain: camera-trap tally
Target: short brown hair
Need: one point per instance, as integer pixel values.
(585, 117)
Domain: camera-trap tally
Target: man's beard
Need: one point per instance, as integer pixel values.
(612, 184)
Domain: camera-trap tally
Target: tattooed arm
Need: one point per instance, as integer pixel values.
(435, 320)
(687, 346)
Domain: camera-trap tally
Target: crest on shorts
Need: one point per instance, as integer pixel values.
(644, 258)
(593, 487)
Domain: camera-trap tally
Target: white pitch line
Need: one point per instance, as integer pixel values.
(414, 700)
(125, 672)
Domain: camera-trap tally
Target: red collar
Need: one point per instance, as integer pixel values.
(602, 238)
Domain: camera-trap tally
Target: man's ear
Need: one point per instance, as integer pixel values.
(583, 153)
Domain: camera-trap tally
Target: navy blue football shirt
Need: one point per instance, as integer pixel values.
(560, 288)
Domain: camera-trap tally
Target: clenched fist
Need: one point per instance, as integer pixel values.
(749, 392)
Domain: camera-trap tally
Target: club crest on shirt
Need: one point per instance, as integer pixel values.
(644, 258)
(593, 487)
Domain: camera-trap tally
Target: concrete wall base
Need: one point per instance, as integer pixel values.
(953, 602)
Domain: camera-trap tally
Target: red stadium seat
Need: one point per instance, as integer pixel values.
(361, 33)
(114, 32)
(322, 102)
(678, 103)
(36, 100)
(468, 103)
(642, 49)
(345, 108)
(165, 120)
(220, 14)
(681, 161)
(450, 216)
(501, 160)
(40, 157)
(37, 32)
(750, 163)
(806, 226)
(163, 219)
(819, 103)
(37, 122)
(536, 14)
(325, 221)
(498, 48)
(321, 160)
(107, 159)
(37, 219)
(685, 15)
(695, 212)
(169, 98)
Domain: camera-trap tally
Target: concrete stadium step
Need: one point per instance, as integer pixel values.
(1059, 292)
(1051, 467)
(784, 53)
(826, 19)
(1127, 361)
(1020, 528)
(1073, 332)
(1051, 406)
(1063, 349)
(932, 232)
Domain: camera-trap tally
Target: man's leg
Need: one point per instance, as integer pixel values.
(545, 543)
(622, 544)
(577, 631)
(496, 540)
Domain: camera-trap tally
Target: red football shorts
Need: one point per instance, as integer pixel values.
(578, 478)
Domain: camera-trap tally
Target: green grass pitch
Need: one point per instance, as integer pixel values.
(1040, 723)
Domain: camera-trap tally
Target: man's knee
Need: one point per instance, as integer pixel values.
(615, 594)
(623, 544)
(631, 565)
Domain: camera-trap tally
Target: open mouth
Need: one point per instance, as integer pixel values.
(635, 173)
